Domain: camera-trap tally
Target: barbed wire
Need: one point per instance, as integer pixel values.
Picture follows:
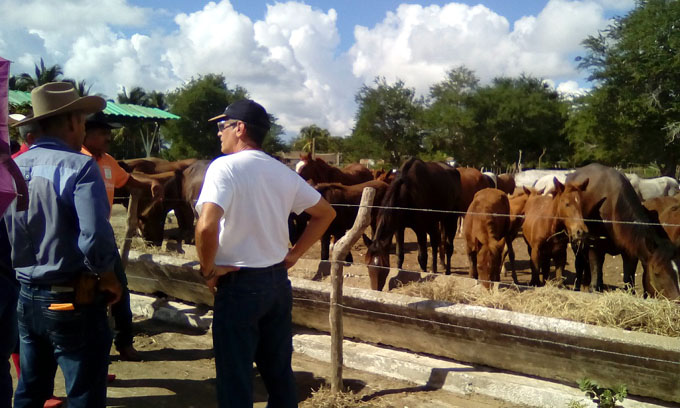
(513, 336)
(524, 216)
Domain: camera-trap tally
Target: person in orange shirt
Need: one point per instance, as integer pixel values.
(96, 144)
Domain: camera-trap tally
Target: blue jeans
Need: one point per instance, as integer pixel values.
(122, 315)
(8, 336)
(252, 322)
(79, 340)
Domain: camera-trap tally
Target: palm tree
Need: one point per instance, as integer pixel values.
(82, 87)
(137, 96)
(43, 75)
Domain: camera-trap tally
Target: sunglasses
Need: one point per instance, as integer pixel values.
(224, 125)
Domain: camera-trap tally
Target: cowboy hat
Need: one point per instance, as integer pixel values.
(58, 98)
(15, 117)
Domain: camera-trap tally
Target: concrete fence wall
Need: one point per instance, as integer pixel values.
(648, 365)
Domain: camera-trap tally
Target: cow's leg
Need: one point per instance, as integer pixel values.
(595, 261)
(511, 256)
(325, 246)
(435, 240)
(422, 249)
(629, 267)
(560, 261)
(450, 234)
(400, 247)
(545, 268)
(472, 257)
(535, 266)
(580, 265)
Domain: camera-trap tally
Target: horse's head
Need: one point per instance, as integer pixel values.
(378, 261)
(662, 274)
(570, 210)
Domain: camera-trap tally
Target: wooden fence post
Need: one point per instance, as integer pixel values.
(131, 225)
(340, 250)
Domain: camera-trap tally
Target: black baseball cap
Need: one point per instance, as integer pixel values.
(100, 121)
(247, 111)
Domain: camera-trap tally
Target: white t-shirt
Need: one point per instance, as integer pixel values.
(257, 193)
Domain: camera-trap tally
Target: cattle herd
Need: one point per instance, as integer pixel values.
(593, 211)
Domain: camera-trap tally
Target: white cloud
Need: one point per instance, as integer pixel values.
(289, 60)
(419, 44)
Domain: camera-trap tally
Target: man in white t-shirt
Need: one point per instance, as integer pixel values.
(242, 245)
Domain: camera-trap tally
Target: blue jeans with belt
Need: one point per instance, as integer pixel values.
(8, 336)
(79, 340)
(252, 322)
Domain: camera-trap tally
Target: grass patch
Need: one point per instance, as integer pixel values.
(617, 309)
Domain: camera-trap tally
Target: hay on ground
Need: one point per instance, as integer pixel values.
(619, 309)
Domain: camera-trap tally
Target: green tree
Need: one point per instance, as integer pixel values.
(43, 75)
(81, 86)
(447, 118)
(388, 124)
(273, 144)
(312, 134)
(197, 101)
(513, 114)
(634, 105)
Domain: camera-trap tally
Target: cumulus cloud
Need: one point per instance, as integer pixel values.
(419, 44)
(290, 60)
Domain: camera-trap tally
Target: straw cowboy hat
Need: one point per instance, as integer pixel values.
(57, 98)
(15, 118)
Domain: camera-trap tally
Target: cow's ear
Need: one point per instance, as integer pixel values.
(583, 184)
(367, 240)
(559, 187)
(526, 190)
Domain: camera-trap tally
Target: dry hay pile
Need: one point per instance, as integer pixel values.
(324, 398)
(617, 309)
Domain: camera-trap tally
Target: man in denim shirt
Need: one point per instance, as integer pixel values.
(61, 245)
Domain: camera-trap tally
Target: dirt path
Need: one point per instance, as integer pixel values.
(179, 372)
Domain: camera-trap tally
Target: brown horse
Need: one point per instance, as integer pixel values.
(621, 224)
(667, 210)
(349, 198)
(517, 202)
(550, 223)
(485, 234)
(419, 185)
(318, 171)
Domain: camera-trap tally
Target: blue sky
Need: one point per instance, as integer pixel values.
(303, 60)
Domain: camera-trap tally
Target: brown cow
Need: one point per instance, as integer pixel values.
(506, 182)
(348, 198)
(666, 209)
(550, 223)
(485, 234)
(318, 171)
(622, 226)
(517, 202)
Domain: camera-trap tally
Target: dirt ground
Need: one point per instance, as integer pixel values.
(178, 371)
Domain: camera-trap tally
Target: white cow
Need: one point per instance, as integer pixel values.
(528, 178)
(547, 184)
(650, 188)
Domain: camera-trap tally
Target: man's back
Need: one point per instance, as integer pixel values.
(64, 231)
(256, 193)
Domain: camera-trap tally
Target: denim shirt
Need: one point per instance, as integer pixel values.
(65, 230)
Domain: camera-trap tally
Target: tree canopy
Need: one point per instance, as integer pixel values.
(633, 113)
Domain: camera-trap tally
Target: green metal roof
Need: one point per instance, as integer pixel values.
(19, 98)
(120, 110)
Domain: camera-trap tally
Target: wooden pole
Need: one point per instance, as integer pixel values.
(131, 225)
(340, 250)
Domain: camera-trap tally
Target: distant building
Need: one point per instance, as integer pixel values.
(292, 158)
